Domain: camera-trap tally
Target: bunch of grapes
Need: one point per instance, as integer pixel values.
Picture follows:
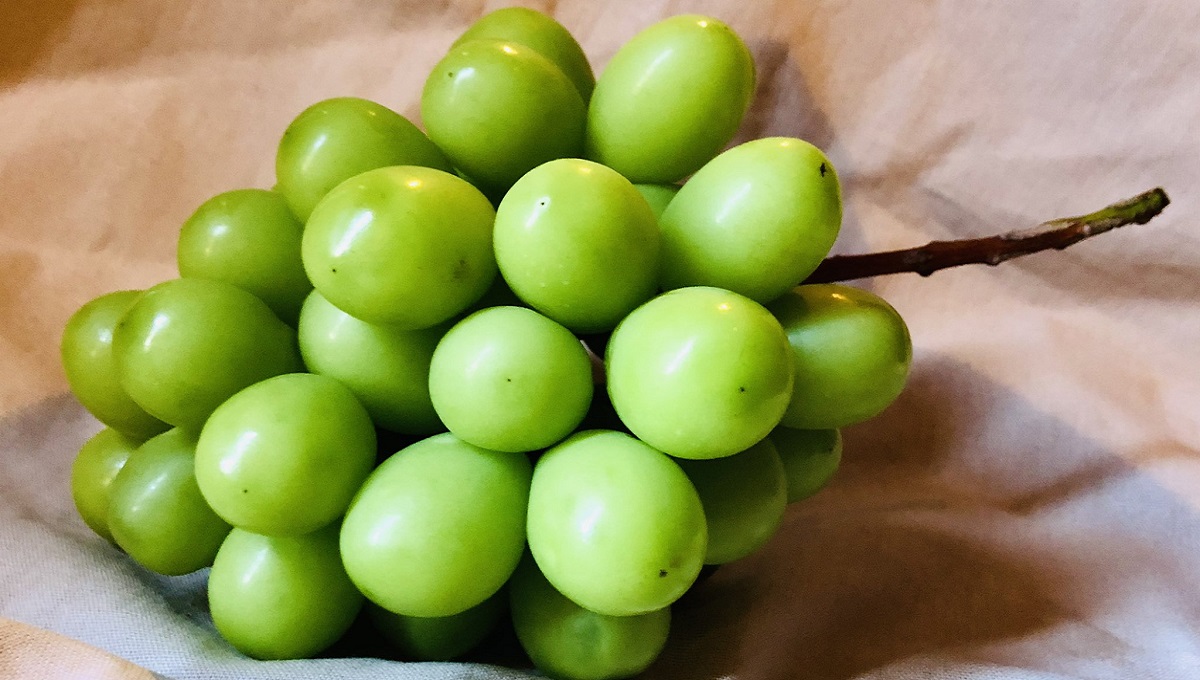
(603, 379)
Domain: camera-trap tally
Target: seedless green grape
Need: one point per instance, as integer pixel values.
(281, 597)
(576, 241)
(500, 109)
(92, 474)
(540, 33)
(744, 496)
(810, 458)
(156, 512)
(438, 527)
(567, 641)
(336, 139)
(286, 455)
(852, 353)
(91, 366)
(387, 368)
(406, 246)
(699, 372)
(509, 379)
(249, 238)
(187, 345)
(755, 220)
(669, 99)
(614, 524)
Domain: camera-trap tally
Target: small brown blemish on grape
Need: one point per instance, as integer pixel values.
(741, 389)
(333, 270)
(245, 490)
(823, 169)
(450, 74)
(461, 270)
(662, 573)
(508, 380)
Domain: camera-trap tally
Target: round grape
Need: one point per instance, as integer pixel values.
(810, 458)
(92, 475)
(756, 220)
(614, 524)
(542, 34)
(286, 455)
(852, 353)
(336, 139)
(249, 238)
(699, 372)
(90, 364)
(578, 243)
(405, 246)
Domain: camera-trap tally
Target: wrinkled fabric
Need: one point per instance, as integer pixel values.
(1028, 509)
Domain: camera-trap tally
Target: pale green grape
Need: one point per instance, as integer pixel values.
(852, 353)
(614, 524)
(500, 109)
(699, 372)
(810, 458)
(755, 220)
(509, 379)
(387, 368)
(249, 238)
(578, 243)
(156, 512)
(281, 597)
(187, 345)
(90, 364)
(406, 246)
(567, 641)
(336, 139)
(92, 474)
(286, 455)
(437, 528)
(540, 33)
(744, 496)
(670, 99)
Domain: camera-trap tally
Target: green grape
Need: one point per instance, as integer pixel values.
(744, 496)
(500, 109)
(249, 238)
(540, 33)
(438, 638)
(699, 372)
(438, 527)
(576, 241)
(614, 524)
(810, 458)
(286, 455)
(852, 353)
(387, 368)
(670, 99)
(509, 379)
(756, 220)
(90, 364)
(281, 597)
(336, 139)
(659, 196)
(405, 246)
(189, 344)
(92, 475)
(567, 641)
(156, 512)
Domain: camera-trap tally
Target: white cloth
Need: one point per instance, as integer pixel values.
(1029, 508)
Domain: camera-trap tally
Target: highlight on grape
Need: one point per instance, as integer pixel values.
(583, 319)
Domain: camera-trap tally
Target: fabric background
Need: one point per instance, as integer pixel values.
(1029, 508)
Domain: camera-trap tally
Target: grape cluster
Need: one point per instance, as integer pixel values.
(578, 442)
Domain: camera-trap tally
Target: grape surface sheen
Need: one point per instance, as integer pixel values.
(699, 372)
(614, 524)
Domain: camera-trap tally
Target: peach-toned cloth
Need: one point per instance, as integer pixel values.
(1029, 508)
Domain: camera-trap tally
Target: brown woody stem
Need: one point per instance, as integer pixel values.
(993, 250)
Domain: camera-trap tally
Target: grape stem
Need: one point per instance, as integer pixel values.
(993, 250)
